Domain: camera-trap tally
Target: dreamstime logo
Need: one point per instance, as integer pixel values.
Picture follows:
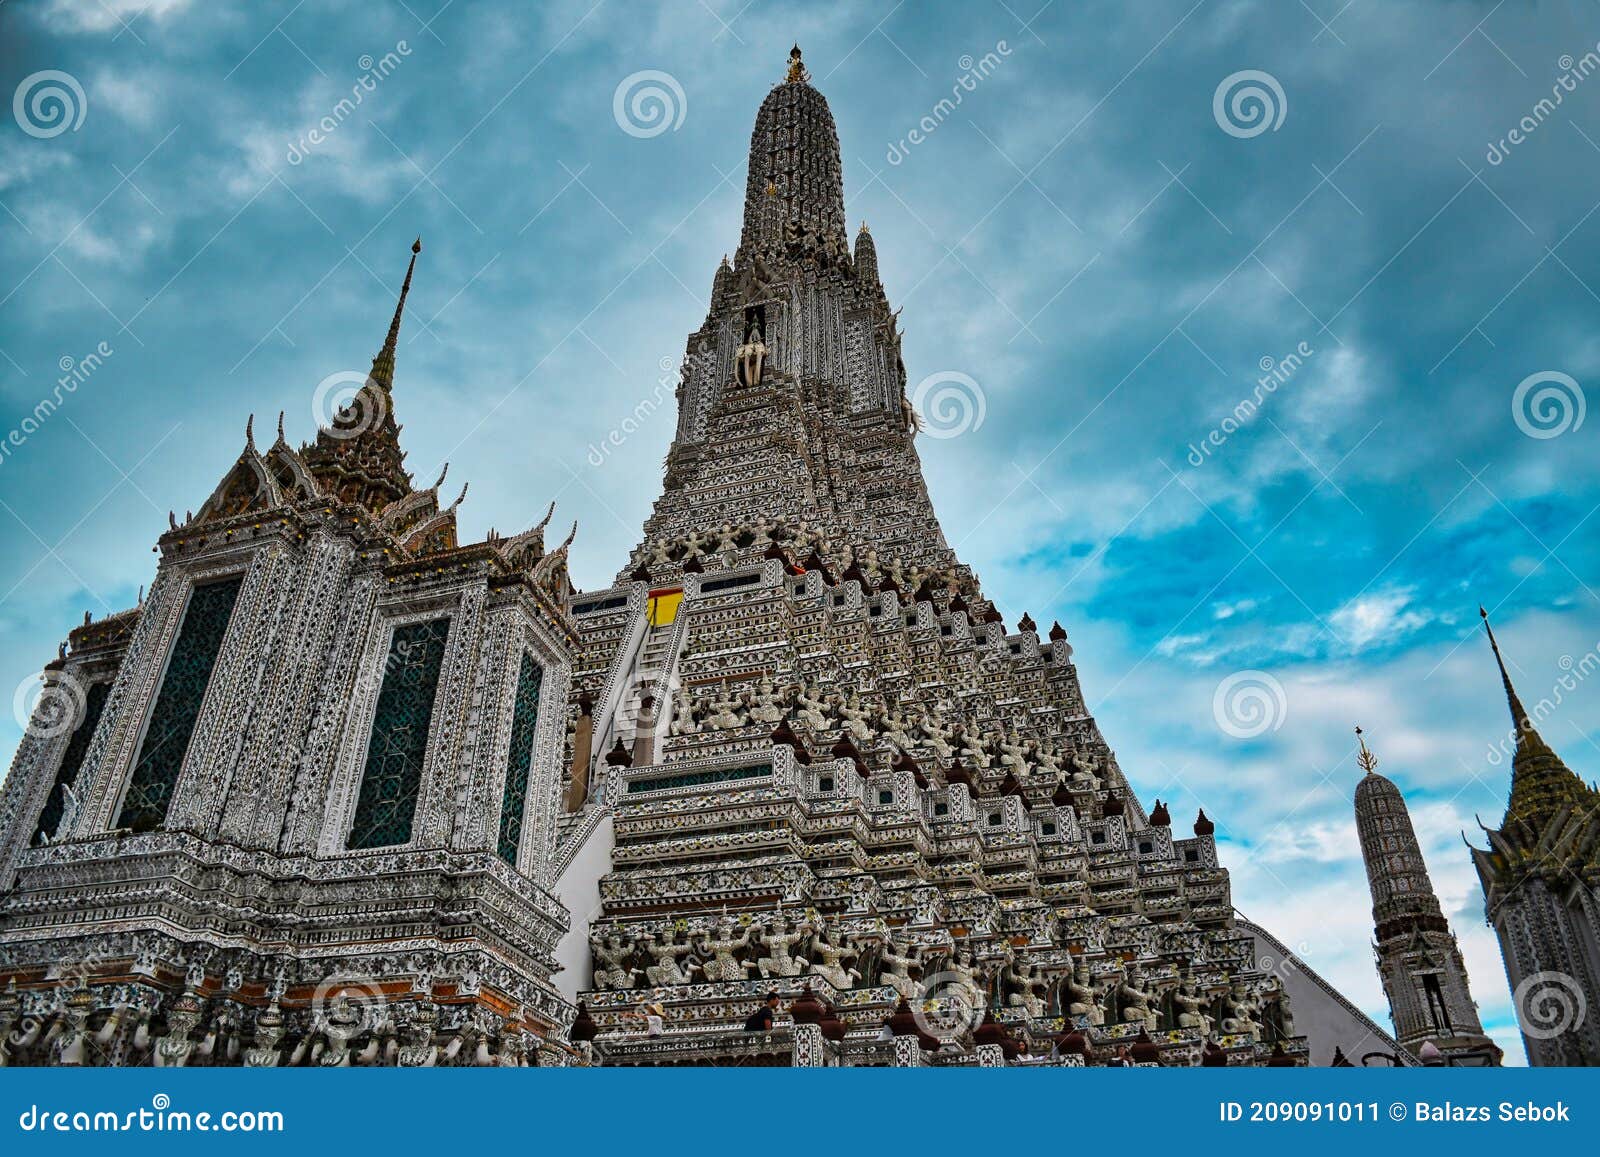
(160, 1117)
(1283, 967)
(1249, 703)
(1548, 404)
(1275, 372)
(47, 708)
(1549, 1004)
(70, 975)
(973, 73)
(600, 453)
(372, 72)
(648, 103)
(370, 681)
(638, 710)
(74, 373)
(1574, 673)
(948, 404)
(950, 1005)
(1248, 103)
(348, 1005)
(1573, 72)
(348, 404)
(49, 103)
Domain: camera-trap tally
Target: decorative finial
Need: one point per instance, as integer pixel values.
(545, 521)
(864, 228)
(797, 68)
(1367, 761)
(383, 364)
(1519, 714)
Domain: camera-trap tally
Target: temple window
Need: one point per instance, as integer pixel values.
(392, 778)
(524, 722)
(1434, 999)
(177, 708)
(71, 761)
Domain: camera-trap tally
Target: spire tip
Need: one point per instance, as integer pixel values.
(797, 69)
(1367, 761)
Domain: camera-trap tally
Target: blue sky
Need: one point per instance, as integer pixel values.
(1083, 237)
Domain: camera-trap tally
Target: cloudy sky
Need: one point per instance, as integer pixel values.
(1114, 248)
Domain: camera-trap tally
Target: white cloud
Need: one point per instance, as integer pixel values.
(106, 15)
(1386, 616)
(1318, 842)
(132, 98)
(19, 164)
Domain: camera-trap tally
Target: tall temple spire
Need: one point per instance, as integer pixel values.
(1539, 878)
(1519, 714)
(1418, 960)
(383, 363)
(1541, 784)
(358, 457)
(794, 195)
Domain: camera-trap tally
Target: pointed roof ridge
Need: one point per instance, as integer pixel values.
(1519, 714)
(383, 363)
(358, 457)
(1541, 784)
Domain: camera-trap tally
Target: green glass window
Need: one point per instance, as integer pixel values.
(392, 777)
(524, 722)
(177, 709)
(71, 760)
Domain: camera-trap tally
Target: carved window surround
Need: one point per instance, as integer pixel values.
(345, 787)
(145, 685)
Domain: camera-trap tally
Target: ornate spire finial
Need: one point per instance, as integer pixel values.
(1367, 761)
(797, 68)
(383, 364)
(1519, 714)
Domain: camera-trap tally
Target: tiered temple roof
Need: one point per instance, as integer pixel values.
(827, 761)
